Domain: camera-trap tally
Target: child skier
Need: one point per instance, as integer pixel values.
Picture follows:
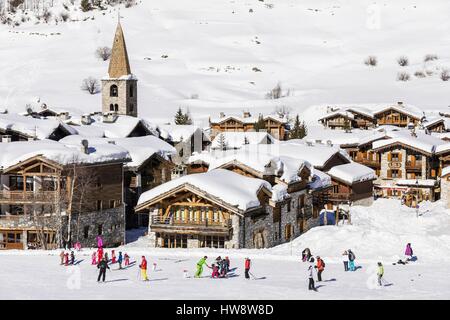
(61, 255)
(102, 265)
(119, 260)
(223, 268)
(200, 264)
(143, 267)
(72, 258)
(227, 264)
(113, 256)
(94, 258)
(127, 259)
(66, 259)
(310, 275)
(345, 260)
(215, 271)
(106, 257)
(320, 267)
(408, 252)
(351, 260)
(380, 273)
(247, 268)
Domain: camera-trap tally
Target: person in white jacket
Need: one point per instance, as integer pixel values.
(310, 275)
(345, 260)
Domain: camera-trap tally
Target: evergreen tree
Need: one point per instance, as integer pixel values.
(347, 126)
(260, 125)
(86, 5)
(222, 142)
(182, 118)
(299, 129)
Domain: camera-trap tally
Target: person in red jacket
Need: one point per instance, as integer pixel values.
(113, 256)
(247, 268)
(320, 267)
(66, 259)
(143, 267)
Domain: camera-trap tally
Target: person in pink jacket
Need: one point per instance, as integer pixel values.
(408, 252)
(99, 242)
(94, 258)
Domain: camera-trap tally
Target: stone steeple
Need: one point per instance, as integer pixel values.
(119, 89)
(119, 65)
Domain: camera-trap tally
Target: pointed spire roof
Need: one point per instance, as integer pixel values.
(119, 65)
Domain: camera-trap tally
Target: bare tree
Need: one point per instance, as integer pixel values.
(430, 57)
(445, 75)
(91, 85)
(103, 53)
(402, 61)
(371, 61)
(403, 76)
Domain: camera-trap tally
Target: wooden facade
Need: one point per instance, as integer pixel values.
(396, 117)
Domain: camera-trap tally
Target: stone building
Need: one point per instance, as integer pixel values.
(119, 89)
(49, 191)
(445, 186)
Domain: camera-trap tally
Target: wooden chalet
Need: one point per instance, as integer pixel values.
(338, 120)
(362, 119)
(40, 196)
(397, 115)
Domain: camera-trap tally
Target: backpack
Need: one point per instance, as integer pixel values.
(323, 263)
(352, 256)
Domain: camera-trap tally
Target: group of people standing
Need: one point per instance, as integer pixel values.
(220, 268)
(348, 257)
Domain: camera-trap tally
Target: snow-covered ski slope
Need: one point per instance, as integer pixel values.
(377, 233)
(226, 55)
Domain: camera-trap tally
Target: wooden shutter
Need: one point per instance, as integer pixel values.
(413, 161)
(399, 156)
(389, 173)
(399, 175)
(389, 156)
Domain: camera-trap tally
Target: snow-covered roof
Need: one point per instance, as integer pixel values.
(341, 137)
(352, 172)
(445, 171)
(443, 148)
(121, 127)
(230, 187)
(361, 110)
(249, 119)
(420, 141)
(32, 127)
(284, 167)
(341, 113)
(139, 148)
(320, 180)
(179, 133)
(14, 152)
(235, 140)
(403, 108)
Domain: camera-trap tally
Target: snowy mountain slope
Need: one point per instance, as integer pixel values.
(315, 49)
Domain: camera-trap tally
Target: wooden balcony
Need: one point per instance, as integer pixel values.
(402, 123)
(369, 163)
(18, 197)
(417, 165)
(159, 224)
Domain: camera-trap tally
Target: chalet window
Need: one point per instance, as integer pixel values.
(335, 188)
(301, 201)
(98, 183)
(288, 205)
(131, 91)
(116, 107)
(111, 107)
(16, 183)
(192, 143)
(181, 152)
(100, 229)
(112, 204)
(395, 173)
(86, 232)
(113, 91)
(288, 232)
(395, 156)
(99, 205)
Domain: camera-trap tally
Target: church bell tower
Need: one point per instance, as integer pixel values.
(119, 88)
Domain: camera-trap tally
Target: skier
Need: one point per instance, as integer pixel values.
(127, 259)
(72, 258)
(94, 258)
(310, 275)
(380, 273)
(306, 254)
(345, 260)
(223, 268)
(320, 267)
(66, 259)
(99, 241)
(100, 254)
(102, 265)
(200, 264)
(408, 252)
(61, 255)
(227, 265)
(351, 260)
(119, 260)
(143, 267)
(113, 256)
(215, 271)
(247, 268)
(106, 257)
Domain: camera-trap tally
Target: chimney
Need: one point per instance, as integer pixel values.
(222, 114)
(111, 142)
(63, 115)
(247, 114)
(400, 103)
(6, 139)
(86, 119)
(109, 117)
(85, 146)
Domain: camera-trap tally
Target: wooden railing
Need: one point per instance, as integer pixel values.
(27, 196)
(368, 162)
(158, 220)
(339, 196)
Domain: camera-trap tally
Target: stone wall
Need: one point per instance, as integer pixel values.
(445, 190)
(123, 98)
